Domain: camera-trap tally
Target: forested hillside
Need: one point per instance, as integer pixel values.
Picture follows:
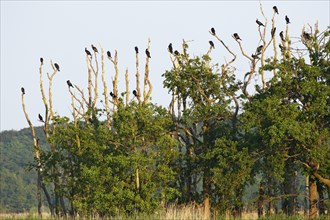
(17, 184)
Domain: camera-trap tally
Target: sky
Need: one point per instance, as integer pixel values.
(60, 30)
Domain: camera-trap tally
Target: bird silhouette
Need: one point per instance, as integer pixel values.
(273, 31)
(176, 53)
(170, 48)
(57, 67)
(275, 9)
(148, 53)
(112, 95)
(94, 49)
(237, 37)
(109, 54)
(87, 52)
(254, 56)
(40, 118)
(212, 44)
(23, 90)
(136, 49)
(259, 23)
(41, 60)
(213, 31)
(69, 83)
(135, 93)
(259, 49)
(287, 19)
(282, 36)
(281, 47)
(306, 35)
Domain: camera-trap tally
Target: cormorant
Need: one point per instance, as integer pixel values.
(136, 49)
(212, 44)
(87, 52)
(135, 93)
(41, 60)
(237, 37)
(94, 49)
(148, 53)
(259, 23)
(40, 118)
(306, 35)
(112, 95)
(287, 20)
(23, 90)
(281, 47)
(69, 84)
(259, 49)
(109, 54)
(254, 56)
(273, 31)
(282, 36)
(213, 31)
(170, 48)
(57, 67)
(176, 53)
(275, 9)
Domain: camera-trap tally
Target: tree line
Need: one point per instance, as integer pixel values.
(215, 138)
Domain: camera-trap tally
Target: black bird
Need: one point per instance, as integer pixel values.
(306, 35)
(237, 37)
(40, 118)
(23, 90)
(281, 47)
(148, 53)
(94, 49)
(275, 9)
(273, 31)
(109, 54)
(170, 48)
(259, 23)
(254, 56)
(87, 52)
(282, 36)
(41, 60)
(287, 20)
(259, 49)
(57, 67)
(69, 84)
(212, 44)
(136, 49)
(213, 31)
(176, 53)
(112, 95)
(135, 93)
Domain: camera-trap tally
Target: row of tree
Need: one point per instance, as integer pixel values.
(215, 138)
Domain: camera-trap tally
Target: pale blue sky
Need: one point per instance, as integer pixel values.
(60, 30)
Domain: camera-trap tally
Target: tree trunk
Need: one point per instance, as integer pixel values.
(39, 193)
(313, 198)
(206, 202)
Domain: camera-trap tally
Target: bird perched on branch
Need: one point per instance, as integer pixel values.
(213, 31)
(136, 49)
(94, 49)
(41, 60)
(282, 36)
(148, 53)
(109, 54)
(176, 53)
(212, 44)
(306, 35)
(23, 90)
(87, 52)
(259, 23)
(287, 19)
(281, 47)
(170, 48)
(69, 83)
(259, 49)
(275, 9)
(273, 31)
(254, 56)
(40, 118)
(135, 93)
(112, 95)
(57, 67)
(237, 37)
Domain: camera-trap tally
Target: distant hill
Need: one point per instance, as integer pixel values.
(17, 184)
